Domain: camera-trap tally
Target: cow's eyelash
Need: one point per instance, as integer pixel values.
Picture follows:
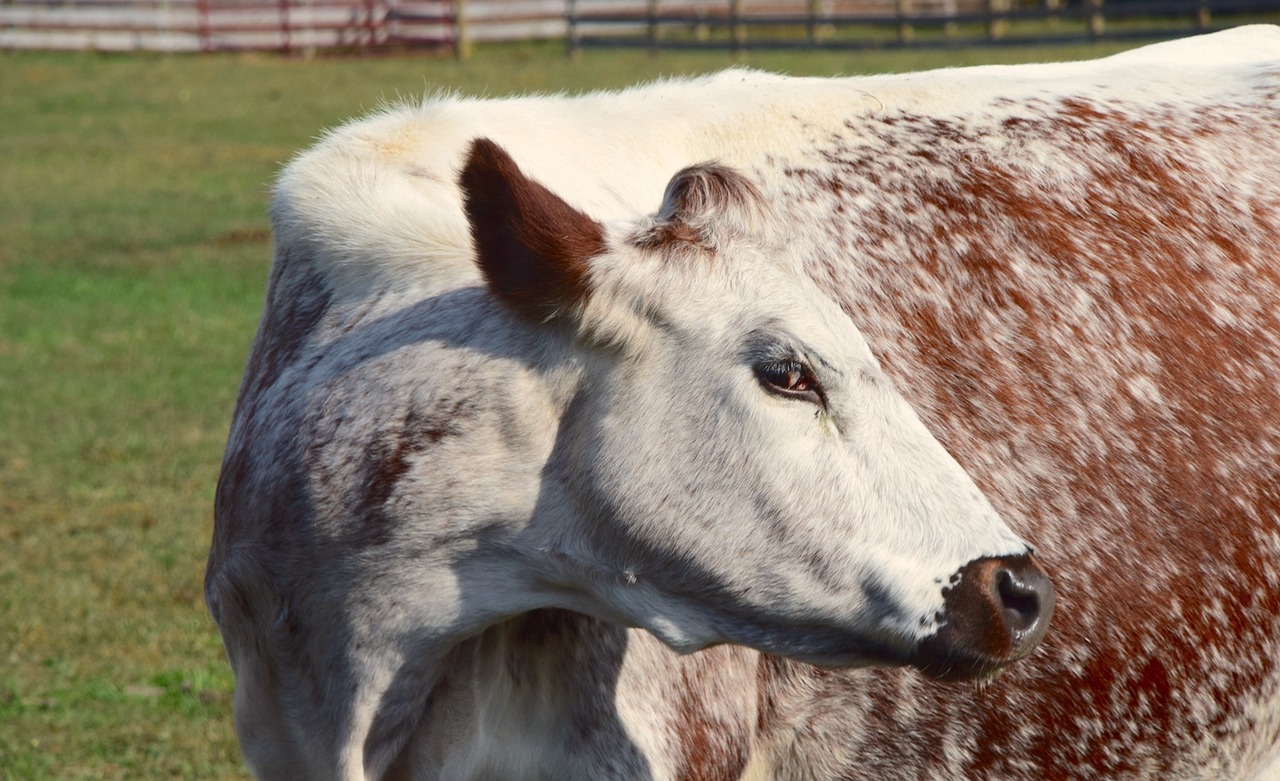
(790, 378)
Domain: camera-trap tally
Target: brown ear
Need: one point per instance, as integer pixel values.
(532, 247)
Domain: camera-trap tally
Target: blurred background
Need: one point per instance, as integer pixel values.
(138, 141)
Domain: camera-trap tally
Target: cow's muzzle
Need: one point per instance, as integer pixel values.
(995, 612)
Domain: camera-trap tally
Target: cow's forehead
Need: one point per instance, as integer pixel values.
(746, 291)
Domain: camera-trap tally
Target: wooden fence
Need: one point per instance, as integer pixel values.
(452, 25)
(221, 25)
(852, 24)
(286, 25)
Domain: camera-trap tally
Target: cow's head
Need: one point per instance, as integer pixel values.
(734, 466)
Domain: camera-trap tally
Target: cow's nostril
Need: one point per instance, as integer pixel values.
(1020, 600)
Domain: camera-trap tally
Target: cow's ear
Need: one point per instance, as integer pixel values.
(708, 191)
(532, 247)
(704, 205)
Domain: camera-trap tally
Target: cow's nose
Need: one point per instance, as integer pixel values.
(995, 612)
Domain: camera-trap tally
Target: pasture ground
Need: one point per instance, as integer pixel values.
(133, 257)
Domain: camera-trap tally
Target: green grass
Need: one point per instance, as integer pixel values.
(133, 256)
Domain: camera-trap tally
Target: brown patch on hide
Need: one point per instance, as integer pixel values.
(769, 685)
(1165, 243)
(1103, 360)
(665, 235)
(532, 247)
(714, 746)
(390, 458)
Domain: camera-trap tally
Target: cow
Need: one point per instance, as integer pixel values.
(668, 433)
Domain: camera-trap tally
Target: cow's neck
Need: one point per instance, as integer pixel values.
(523, 698)
(553, 693)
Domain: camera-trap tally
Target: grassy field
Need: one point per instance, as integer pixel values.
(133, 256)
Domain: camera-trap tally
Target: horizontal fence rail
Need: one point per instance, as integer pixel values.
(813, 24)
(284, 25)
(450, 26)
(223, 25)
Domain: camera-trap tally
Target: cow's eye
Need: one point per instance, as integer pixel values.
(790, 378)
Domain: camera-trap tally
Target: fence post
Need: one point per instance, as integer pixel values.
(307, 30)
(655, 32)
(572, 45)
(738, 28)
(1052, 11)
(371, 23)
(1203, 16)
(996, 26)
(818, 30)
(162, 28)
(202, 24)
(906, 31)
(950, 28)
(1097, 23)
(461, 30)
(286, 42)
